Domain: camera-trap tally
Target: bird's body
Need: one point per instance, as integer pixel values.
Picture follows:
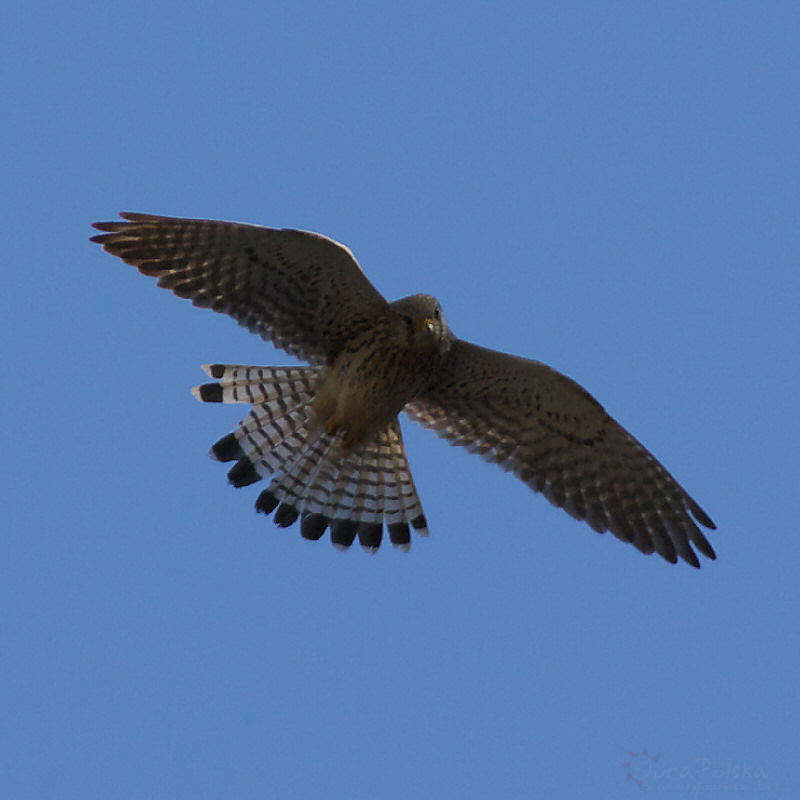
(328, 436)
(408, 345)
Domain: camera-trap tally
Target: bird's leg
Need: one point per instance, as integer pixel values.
(351, 440)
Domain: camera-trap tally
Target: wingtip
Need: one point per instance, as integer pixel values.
(111, 226)
(691, 559)
(700, 515)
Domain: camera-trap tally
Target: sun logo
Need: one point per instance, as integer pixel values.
(639, 766)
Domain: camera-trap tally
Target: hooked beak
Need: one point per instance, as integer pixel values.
(426, 325)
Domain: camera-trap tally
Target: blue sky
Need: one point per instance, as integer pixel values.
(611, 188)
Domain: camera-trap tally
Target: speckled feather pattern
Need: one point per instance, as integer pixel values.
(554, 436)
(301, 291)
(307, 294)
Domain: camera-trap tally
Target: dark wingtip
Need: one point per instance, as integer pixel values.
(703, 545)
(215, 370)
(690, 558)
(703, 518)
(106, 227)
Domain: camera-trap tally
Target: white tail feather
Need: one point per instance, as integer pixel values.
(355, 494)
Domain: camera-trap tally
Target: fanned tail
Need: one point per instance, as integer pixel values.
(354, 495)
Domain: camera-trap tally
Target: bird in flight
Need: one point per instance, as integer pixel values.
(327, 435)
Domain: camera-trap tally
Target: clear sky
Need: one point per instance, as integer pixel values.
(611, 188)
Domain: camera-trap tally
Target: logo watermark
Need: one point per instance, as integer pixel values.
(639, 766)
(646, 771)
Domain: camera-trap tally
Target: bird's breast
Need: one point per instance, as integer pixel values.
(370, 381)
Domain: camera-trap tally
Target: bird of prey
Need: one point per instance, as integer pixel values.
(327, 434)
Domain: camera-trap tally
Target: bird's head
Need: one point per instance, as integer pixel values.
(423, 315)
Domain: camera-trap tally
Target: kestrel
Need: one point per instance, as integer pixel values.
(328, 434)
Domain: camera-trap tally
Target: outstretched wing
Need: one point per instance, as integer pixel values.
(557, 438)
(301, 291)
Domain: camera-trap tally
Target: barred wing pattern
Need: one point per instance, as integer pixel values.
(301, 291)
(353, 496)
(553, 435)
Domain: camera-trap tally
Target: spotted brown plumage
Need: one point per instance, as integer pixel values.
(327, 435)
